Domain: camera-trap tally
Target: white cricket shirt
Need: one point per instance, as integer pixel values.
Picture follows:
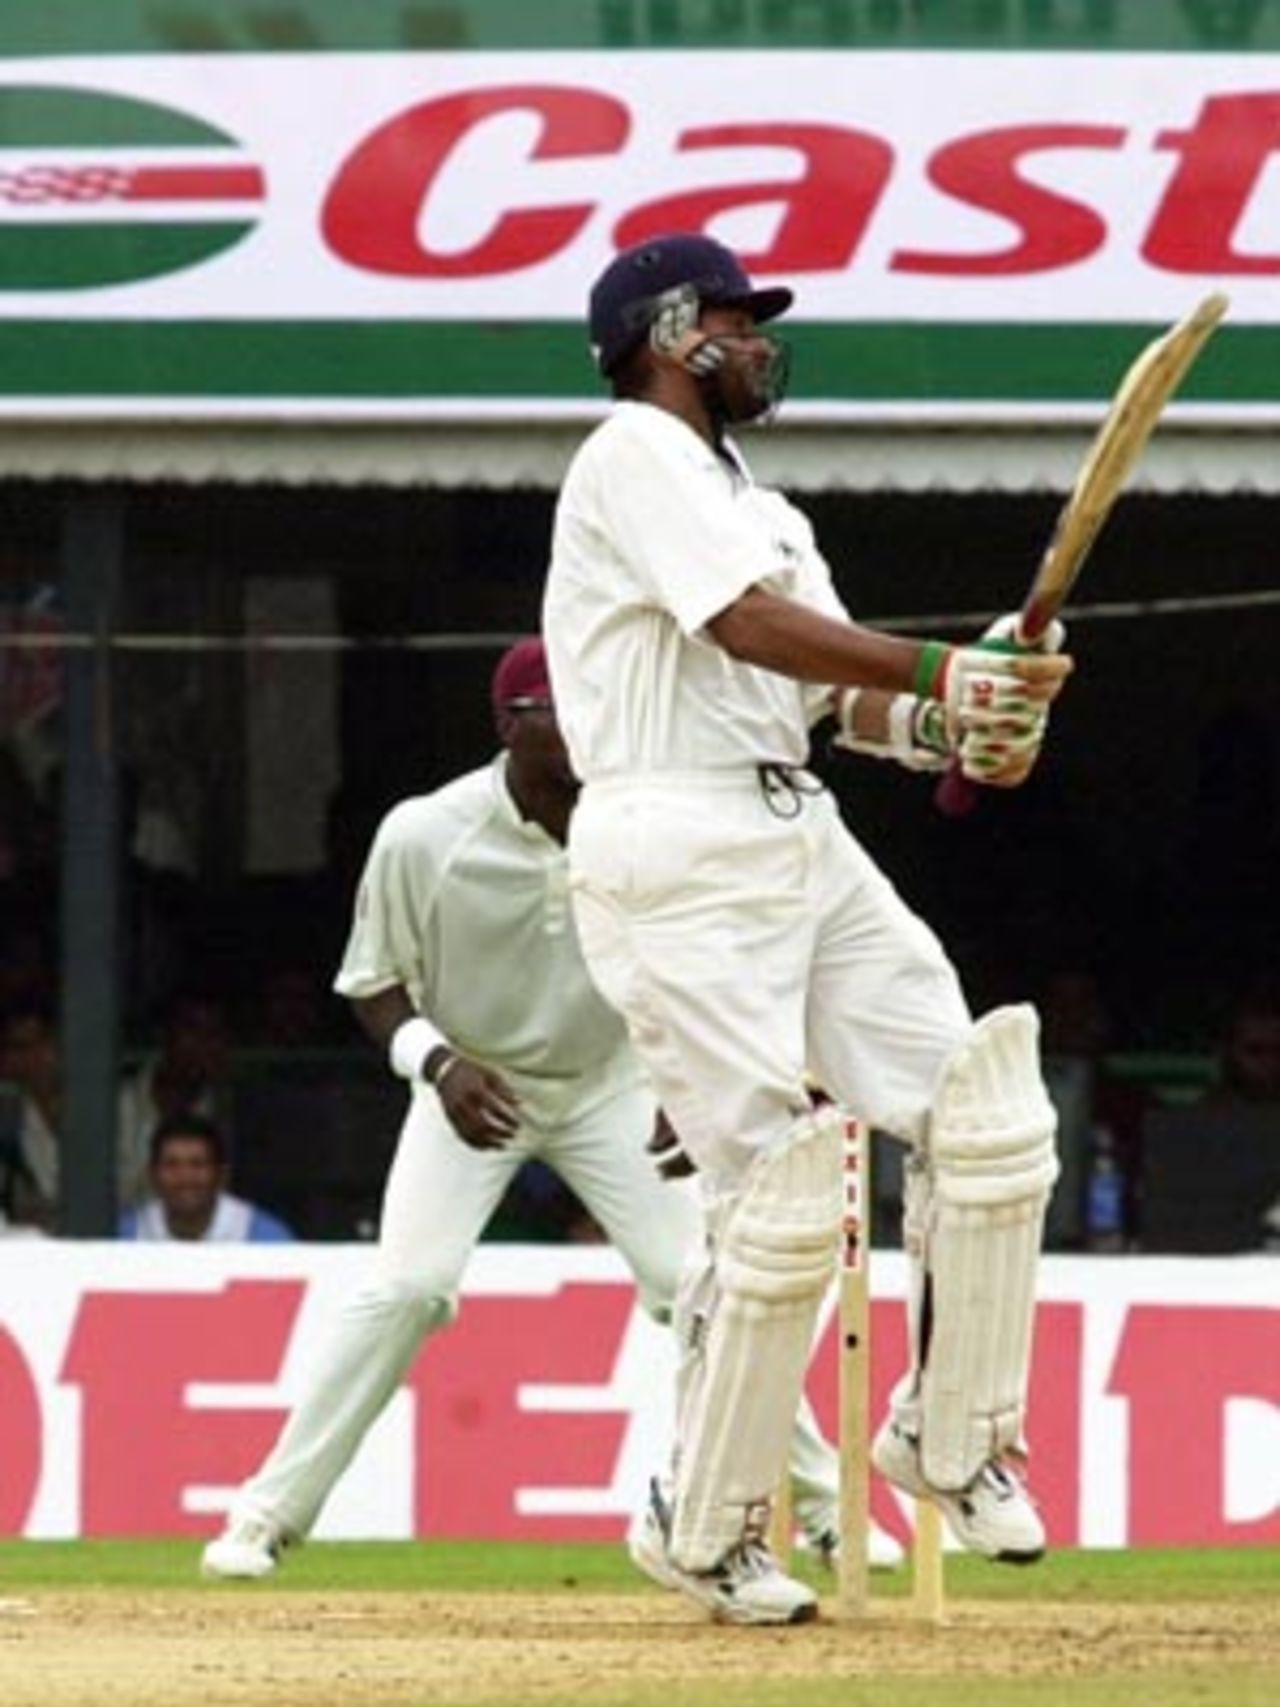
(466, 904)
(654, 535)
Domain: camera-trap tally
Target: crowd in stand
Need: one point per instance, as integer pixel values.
(218, 1050)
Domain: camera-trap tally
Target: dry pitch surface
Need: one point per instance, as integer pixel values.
(268, 1648)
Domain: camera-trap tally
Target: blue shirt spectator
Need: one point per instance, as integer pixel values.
(189, 1201)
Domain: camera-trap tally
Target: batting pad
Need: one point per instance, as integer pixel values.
(992, 1164)
(774, 1260)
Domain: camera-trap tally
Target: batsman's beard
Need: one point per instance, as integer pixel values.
(742, 387)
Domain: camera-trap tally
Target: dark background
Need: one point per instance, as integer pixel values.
(1144, 851)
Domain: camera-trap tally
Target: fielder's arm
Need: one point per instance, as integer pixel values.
(482, 1108)
(381, 1017)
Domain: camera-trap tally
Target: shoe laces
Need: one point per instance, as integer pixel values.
(257, 1532)
(751, 1556)
(996, 1477)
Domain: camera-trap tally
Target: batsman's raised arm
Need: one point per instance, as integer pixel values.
(777, 633)
(921, 703)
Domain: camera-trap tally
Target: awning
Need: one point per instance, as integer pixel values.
(1191, 452)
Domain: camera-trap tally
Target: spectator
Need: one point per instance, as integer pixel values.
(17, 1189)
(188, 1174)
(29, 1063)
(188, 1074)
(1249, 1052)
(1212, 1173)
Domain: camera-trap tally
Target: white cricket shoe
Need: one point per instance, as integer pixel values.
(819, 1534)
(993, 1516)
(748, 1586)
(248, 1547)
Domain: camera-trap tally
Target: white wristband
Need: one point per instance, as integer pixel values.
(411, 1043)
(845, 700)
(901, 720)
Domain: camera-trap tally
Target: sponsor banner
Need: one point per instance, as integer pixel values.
(423, 227)
(140, 1385)
(462, 187)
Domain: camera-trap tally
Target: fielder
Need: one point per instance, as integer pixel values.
(694, 634)
(463, 914)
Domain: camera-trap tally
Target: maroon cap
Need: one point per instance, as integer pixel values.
(521, 674)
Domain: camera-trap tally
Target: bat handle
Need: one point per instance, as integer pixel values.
(955, 796)
(1034, 620)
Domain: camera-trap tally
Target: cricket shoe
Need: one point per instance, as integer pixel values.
(248, 1547)
(993, 1516)
(818, 1534)
(748, 1586)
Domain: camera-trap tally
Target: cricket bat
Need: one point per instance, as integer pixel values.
(1148, 384)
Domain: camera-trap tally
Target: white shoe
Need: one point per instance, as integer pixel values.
(647, 1541)
(748, 1586)
(993, 1516)
(819, 1534)
(247, 1547)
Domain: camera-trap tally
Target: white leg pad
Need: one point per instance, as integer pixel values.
(991, 1164)
(775, 1257)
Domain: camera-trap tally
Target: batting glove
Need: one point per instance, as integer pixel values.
(1002, 742)
(1003, 635)
(971, 681)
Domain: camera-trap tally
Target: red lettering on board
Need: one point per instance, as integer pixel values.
(133, 1355)
(1178, 1366)
(984, 171)
(372, 214)
(825, 211)
(478, 1445)
(1222, 158)
(21, 1436)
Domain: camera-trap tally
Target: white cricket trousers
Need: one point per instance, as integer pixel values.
(746, 938)
(440, 1194)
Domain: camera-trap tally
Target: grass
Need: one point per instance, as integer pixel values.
(1153, 1574)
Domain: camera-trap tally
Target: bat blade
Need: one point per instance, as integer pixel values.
(1148, 383)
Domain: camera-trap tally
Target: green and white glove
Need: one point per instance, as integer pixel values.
(1003, 736)
(996, 696)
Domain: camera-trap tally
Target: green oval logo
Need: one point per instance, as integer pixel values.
(100, 189)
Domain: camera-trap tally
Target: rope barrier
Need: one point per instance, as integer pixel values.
(943, 622)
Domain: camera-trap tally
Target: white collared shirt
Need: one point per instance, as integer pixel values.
(466, 904)
(655, 534)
